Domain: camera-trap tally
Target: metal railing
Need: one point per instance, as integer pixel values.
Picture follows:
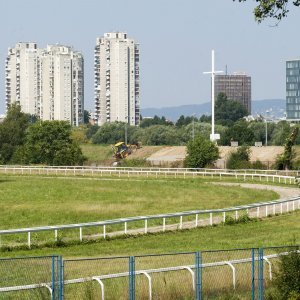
(258, 261)
(286, 177)
(257, 210)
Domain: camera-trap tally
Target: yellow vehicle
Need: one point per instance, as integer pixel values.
(121, 150)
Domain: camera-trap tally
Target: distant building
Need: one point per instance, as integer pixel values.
(46, 82)
(117, 87)
(293, 89)
(237, 87)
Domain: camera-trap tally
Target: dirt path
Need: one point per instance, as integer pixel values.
(284, 192)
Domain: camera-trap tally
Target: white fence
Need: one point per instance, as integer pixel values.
(261, 209)
(286, 177)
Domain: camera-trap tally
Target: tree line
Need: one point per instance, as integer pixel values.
(24, 139)
(230, 123)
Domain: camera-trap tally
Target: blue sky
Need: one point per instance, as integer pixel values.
(175, 36)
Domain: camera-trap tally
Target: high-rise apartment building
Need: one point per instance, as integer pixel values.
(22, 77)
(293, 89)
(46, 82)
(117, 88)
(237, 87)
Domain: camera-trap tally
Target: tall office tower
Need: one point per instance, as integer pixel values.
(237, 87)
(293, 89)
(117, 88)
(46, 82)
(22, 77)
(62, 84)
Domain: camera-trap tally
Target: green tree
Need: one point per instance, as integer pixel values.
(91, 130)
(161, 135)
(239, 159)
(182, 121)
(86, 117)
(110, 133)
(259, 130)
(276, 9)
(281, 132)
(147, 122)
(12, 132)
(239, 132)
(50, 143)
(201, 153)
(205, 119)
(228, 111)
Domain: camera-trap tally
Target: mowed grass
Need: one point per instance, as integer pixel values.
(273, 231)
(37, 201)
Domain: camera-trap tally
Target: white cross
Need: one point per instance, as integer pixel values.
(213, 136)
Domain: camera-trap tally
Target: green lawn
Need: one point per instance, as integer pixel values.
(37, 201)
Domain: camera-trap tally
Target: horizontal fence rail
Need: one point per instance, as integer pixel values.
(258, 210)
(287, 177)
(208, 170)
(147, 273)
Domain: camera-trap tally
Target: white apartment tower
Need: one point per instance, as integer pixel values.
(22, 77)
(117, 79)
(46, 82)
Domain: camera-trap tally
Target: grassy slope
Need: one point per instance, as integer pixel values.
(35, 201)
(275, 231)
(97, 154)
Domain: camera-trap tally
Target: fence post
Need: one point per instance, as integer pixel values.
(57, 280)
(253, 272)
(61, 278)
(198, 277)
(260, 274)
(131, 278)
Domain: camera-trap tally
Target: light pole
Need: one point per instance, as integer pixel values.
(213, 136)
(266, 143)
(193, 127)
(126, 118)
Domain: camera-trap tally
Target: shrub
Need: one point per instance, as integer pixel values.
(135, 162)
(200, 153)
(287, 278)
(239, 159)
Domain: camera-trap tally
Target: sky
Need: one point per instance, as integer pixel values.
(175, 36)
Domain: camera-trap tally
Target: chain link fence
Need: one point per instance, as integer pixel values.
(31, 278)
(224, 274)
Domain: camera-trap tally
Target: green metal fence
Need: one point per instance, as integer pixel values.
(223, 274)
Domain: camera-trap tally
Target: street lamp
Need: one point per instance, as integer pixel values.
(193, 127)
(126, 118)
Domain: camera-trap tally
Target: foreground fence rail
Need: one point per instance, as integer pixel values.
(246, 273)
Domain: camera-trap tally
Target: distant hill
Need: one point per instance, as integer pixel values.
(274, 108)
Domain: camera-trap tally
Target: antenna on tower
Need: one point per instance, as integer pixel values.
(226, 70)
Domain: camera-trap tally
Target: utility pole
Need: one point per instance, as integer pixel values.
(213, 136)
(193, 127)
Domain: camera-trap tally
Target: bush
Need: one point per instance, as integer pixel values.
(201, 153)
(135, 162)
(239, 159)
(287, 278)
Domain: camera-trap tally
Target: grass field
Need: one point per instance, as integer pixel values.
(32, 201)
(37, 201)
(274, 231)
